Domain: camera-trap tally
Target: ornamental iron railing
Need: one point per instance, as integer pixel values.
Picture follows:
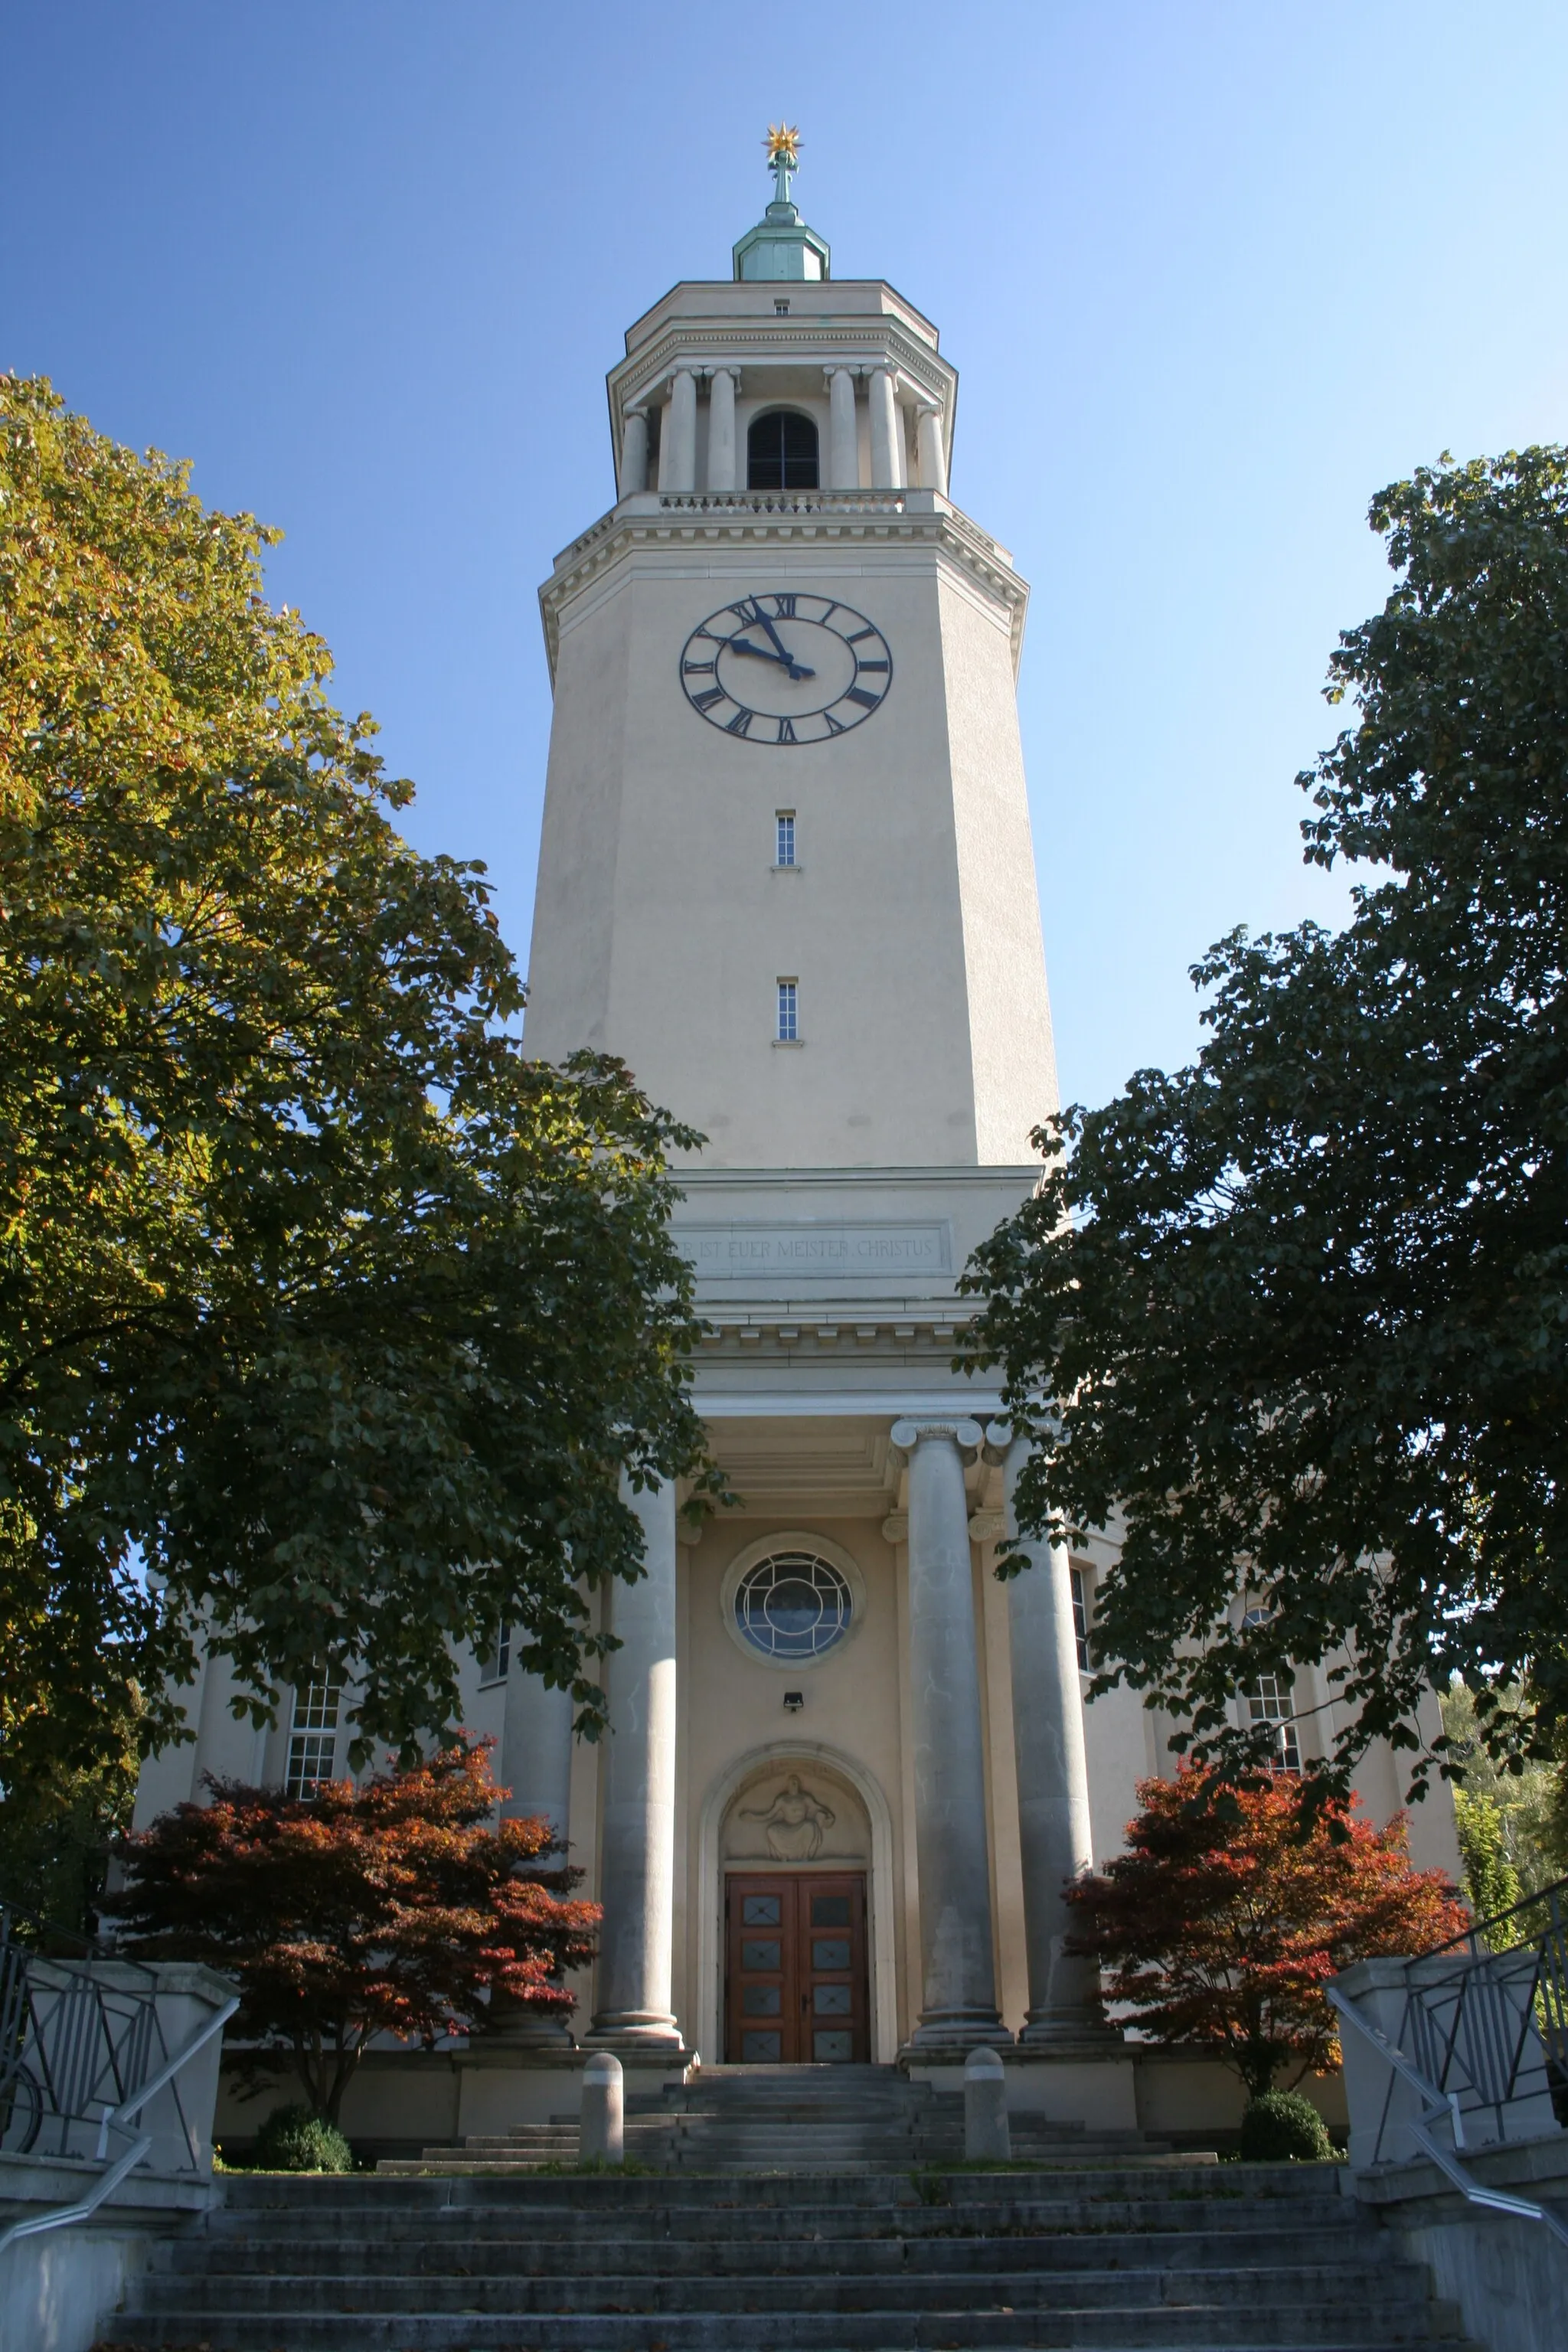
(1480, 2036)
(1491, 2026)
(82, 2054)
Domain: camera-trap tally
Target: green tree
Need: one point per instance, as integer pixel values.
(1491, 1882)
(331, 1328)
(1527, 1801)
(1297, 1314)
(57, 1830)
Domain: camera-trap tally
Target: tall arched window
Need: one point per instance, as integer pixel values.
(780, 452)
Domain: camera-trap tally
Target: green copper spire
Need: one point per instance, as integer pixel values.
(781, 246)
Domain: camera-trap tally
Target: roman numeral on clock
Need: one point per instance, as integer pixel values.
(860, 665)
(866, 701)
(742, 722)
(859, 635)
(787, 733)
(697, 669)
(708, 697)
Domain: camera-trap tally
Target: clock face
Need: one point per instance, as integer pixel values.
(786, 667)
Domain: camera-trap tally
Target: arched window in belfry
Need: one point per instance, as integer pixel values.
(781, 451)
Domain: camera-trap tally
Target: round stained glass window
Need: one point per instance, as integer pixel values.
(792, 1605)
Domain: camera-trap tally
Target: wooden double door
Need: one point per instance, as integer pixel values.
(795, 1989)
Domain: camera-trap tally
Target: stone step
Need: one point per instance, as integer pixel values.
(1196, 2328)
(1118, 2195)
(705, 2253)
(287, 2233)
(1318, 2287)
(1113, 2258)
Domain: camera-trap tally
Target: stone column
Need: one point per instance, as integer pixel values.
(536, 1766)
(886, 467)
(933, 456)
(843, 439)
(952, 1852)
(680, 435)
(637, 1884)
(536, 1751)
(721, 474)
(634, 452)
(1053, 1784)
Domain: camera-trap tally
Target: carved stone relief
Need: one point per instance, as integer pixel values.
(796, 1815)
(794, 1824)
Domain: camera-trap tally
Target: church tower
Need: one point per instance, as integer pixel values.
(786, 872)
(786, 876)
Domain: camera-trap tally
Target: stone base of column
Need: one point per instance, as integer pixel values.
(517, 2024)
(1070, 2030)
(529, 2033)
(942, 2031)
(636, 2031)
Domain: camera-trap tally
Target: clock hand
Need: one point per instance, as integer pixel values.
(763, 622)
(760, 653)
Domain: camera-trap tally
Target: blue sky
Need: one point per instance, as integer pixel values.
(1211, 273)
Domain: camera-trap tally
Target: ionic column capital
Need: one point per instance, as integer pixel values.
(906, 1435)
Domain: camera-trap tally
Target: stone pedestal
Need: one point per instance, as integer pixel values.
(502, 2088)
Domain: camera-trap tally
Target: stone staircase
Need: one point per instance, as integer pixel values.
(1161, 2259)
(740, 2119)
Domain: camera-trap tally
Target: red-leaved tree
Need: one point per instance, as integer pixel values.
(1231, 1907)
(398, 1907)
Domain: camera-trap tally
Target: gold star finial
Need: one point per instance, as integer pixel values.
(783, 143)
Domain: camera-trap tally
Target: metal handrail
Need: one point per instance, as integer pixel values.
(1436, 2104)
(1477, 1936)
(60, 2217)
(122, 2113)
(106, 2032)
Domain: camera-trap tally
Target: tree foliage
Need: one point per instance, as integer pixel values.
(1295, 1316)
(1516, 1813)
(393, 1908)
(57, 1830)
(331, 1326)
(1232, 1906)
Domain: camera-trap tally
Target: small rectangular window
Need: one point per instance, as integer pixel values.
(1272, 1700)
(313, 1738)
(784, 838)
(788, 1032)
(496, 1664)
(781, 306)
(1079, 1618)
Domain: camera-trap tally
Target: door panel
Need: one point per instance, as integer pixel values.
(795, 1989)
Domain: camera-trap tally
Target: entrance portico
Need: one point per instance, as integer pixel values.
(827, 1678)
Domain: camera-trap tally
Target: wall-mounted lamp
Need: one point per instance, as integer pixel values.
(795, 1701)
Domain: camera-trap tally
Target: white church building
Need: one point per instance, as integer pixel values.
(786, 874)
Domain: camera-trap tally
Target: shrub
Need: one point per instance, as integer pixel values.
(297, 2139)
(1284, 2127)
(1231, 1907)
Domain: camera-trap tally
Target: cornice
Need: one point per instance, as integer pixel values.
(852, 342)
(772, 517)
